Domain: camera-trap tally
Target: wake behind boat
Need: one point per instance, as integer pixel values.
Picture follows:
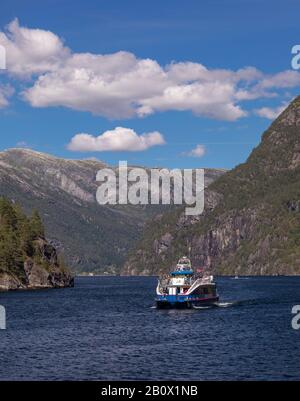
(183, 288)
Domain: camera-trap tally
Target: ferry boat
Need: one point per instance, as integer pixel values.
(183, 288)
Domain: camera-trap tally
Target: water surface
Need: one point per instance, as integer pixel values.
(105, 329)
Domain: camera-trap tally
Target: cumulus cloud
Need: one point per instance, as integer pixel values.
(120, 85)
(6, 91)
(31, 51)
(211, 99)
(118, 139)
(270, 113)
(114, 86)
(198, 151)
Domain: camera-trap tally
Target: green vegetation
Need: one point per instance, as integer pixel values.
(93, 238)
(254, 228)
(18, 234)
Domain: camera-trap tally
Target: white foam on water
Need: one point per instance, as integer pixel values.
(224, 304)
(202, 307)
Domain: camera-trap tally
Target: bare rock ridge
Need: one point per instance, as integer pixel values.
(92, 238)
(251, 222)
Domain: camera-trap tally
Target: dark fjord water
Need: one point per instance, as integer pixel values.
(105, 329)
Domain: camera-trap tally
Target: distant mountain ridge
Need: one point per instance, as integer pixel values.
(92, 237)
(251, 222)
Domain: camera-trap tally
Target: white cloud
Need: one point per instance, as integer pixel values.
(23, 144)
(120, 85)
(118, 139)
(114, 85)
(198, 151)
(211, 99)
(284, 79)
(6, 91)
(31, 51)
(3, 101)
(270, 113)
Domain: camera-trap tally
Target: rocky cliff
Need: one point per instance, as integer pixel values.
(251, 222)
(27, 260)
(47, 273)
(92, 237)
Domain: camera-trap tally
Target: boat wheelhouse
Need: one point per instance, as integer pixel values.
(184, 288)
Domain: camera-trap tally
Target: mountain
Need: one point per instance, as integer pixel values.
(92, 237)
(251, 222)
(27, 260)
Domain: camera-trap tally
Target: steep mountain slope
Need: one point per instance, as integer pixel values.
(251, 222)
(92, 237)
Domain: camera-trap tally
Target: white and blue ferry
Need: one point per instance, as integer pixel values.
(183, 288)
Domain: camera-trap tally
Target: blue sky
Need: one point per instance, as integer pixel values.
(224, 36)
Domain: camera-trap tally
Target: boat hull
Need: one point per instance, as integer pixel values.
(185, 304)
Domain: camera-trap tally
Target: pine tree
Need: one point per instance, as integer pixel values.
(11, 256)
(8, 216)
(17, 235)
(36, 225)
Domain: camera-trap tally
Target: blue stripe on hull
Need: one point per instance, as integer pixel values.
(173, 301)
